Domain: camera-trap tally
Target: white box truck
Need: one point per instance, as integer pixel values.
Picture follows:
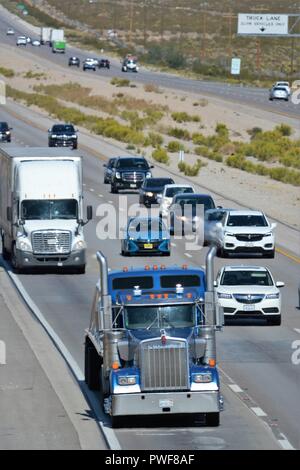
(41, 208)
(45, 35)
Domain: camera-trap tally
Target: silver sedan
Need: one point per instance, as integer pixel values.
(279, 93)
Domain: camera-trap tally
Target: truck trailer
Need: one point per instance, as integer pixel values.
(45, 35)
(41, 208)
(151, 344)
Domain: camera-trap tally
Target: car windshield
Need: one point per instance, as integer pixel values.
(247, 221)
(157, 182)
(167, 316)
(170, 192)
(63, 128)
(138, 163)
(280, 89)
(3, 126)
(246, 278)
(49, 209)
(214, 216)
(194, 201)
(146, 225)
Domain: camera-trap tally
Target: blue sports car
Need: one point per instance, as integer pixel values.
(146, 236)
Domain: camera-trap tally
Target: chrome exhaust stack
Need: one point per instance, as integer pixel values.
(105, 298)
(210, 304)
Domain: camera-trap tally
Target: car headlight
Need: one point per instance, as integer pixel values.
(222, 295)
(149, 194)
(229, 234)
(202, 378)
(126, 379)
(80, 245)
(118, 175)
(53, 135)
(272, 296)
(148, 174)
(268, 234)
(74, 136)
(7, 132)
(183, 218)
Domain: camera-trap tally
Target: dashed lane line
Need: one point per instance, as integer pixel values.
(258, 411)
(235, 388)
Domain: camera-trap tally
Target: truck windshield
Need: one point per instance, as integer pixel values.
(49, 209)
(167, 316)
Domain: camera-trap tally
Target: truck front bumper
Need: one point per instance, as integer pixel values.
(165, 403)
(27, 259)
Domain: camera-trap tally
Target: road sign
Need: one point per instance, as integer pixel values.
(235, 66)
(181, 155)
(266, 24)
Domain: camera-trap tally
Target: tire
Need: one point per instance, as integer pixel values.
(80, 270)
(270, 255)
(212, 419)
(113, 189)
(274, 321)
(117, 421)
(105, 181)
(92, 367)
(14, 263)
(75, 147)
(5, 253)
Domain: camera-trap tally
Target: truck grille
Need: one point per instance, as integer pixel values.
(251, 237)
(132, 176)
(51, 242)
(164, 367)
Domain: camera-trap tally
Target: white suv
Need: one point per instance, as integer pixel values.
(170, 190)
(285, 85)
(249, 291)
(21, 41)
(245, 232)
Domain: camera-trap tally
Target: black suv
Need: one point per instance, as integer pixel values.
(129, 173)
(151, 188)
(104, 64)
(5, 135)
(74, 61)
(185, 212)
(62, 135)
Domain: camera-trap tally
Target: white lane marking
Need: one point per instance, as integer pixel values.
(258, 411)
(235, 388)
(188, 255)
(297, 330)
(100, 195)
(92, 190)
(83, 184)
(173, 244)
(109, 434)
(121, 209)
(285, 443)
(110, 202)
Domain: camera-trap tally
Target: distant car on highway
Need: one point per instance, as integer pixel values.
(151, 189)
(104, 64)
(185, 212)
(36, 42)
(146, 235)
(108, 170)
(211, 218)
(129, 173)
(170, 190)
(89, 64)
(10, 32)
(74, 61)
(279, 93)
(21, 41)
(5, 134)
(285, 85)
(249, 291)
(62, 135)
(129, 64)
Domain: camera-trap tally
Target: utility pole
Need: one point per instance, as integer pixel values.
(292, 59)
(145, 18)
(131, 22)
(204, 36)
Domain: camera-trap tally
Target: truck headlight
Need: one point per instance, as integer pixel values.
(118, 175)
(202, 378)
(24, 245)
(126, 379)
(272, 296)
(148, 174)
(80, 245)
(222, 295)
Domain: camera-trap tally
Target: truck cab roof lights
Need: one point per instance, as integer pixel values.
(128, 297)
(152, 296)
(125, 269)
(179, 289)
(147, 267)
(166, 296)
(184, 266)
(162, 266)
(155, 267)
(212, 362)
(189, 295)
(115, 365)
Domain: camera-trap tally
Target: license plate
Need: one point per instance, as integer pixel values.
(248, 308)
(133, 185)
(148, 245)
(166, 403)
(249, 244)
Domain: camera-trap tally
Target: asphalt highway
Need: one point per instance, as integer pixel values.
(257, 97)
(254, 358)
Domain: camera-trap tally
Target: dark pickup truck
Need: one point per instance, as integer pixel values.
(129, 173)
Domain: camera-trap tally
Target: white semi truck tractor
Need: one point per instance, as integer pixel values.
(41, 208)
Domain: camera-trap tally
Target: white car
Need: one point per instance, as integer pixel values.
(249, 291)
(129, 64)
(279, 93)
(285, 85)
(245, 232)
(170, 190)
(10, 32)
(21, 41)
(36, 42)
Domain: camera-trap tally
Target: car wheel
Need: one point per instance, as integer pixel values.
(274, 320)
(212, 419)
(75, 146)
(270, 255)
(92, 367)
(113, 189)
(105, 181)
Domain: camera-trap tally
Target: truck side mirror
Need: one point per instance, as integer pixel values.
(8, 214)
(89, 212)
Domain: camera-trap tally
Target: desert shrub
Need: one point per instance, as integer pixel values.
(174, 146)
(254, 131)
(199, 139)
(190, 170)
(155, 140)
(120, 82)
(182, 116)
(210, 154)
(222, 130)
(151, 88)
(8, 73)
(179, 133)
(161, 155)
(36, 75)
(284, 130)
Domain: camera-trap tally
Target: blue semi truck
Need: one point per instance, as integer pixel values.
(151, 344)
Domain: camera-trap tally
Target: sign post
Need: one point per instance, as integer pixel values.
(235, 66)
